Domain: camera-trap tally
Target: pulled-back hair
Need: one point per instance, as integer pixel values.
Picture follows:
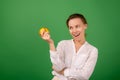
(76, 15)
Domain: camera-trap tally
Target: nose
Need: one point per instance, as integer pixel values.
(74, 30)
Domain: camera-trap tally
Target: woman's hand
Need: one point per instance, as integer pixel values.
(59, 72)
(46, 36)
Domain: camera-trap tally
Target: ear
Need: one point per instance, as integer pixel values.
(85, 26)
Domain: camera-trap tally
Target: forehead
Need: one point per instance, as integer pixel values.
(75, 21)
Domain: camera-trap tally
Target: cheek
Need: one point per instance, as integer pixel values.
(80, 29)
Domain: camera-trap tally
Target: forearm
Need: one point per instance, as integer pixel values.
(46, 37)
(57, 63)
(86, 71)
(57, 56)
(75, 74)
(52, 46)
(59, 72)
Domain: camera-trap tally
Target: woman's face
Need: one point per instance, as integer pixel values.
(77, 28)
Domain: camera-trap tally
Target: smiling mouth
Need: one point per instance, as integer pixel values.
(76, 35)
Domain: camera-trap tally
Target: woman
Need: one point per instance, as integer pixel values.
(73, 59)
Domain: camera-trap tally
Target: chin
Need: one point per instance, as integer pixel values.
(76, 38)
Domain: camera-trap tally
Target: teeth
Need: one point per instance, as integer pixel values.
(76, 34)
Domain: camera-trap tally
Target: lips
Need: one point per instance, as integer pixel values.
(76, 35)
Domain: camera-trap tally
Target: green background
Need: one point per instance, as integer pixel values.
(25, 56)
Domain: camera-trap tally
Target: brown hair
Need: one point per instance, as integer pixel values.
(76, 15)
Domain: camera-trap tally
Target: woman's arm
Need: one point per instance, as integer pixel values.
(46, 37)
(57, 57)
(56, 54)
(85, 72)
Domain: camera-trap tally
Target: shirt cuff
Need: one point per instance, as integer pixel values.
(67, 72)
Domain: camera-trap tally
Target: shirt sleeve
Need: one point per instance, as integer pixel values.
(85, 72)
(57, 57)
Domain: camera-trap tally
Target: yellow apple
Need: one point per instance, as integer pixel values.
(43, 30)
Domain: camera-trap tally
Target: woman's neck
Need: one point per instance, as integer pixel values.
(79, 41)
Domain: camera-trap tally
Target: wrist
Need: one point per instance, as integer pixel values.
(52, 46)
(50, 42)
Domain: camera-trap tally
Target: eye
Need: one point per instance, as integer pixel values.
(77, 26)
(70, 27)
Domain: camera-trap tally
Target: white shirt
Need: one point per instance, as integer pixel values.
(79, 66)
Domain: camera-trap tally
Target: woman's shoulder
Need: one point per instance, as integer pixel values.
(65, 41)
(90, 46)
